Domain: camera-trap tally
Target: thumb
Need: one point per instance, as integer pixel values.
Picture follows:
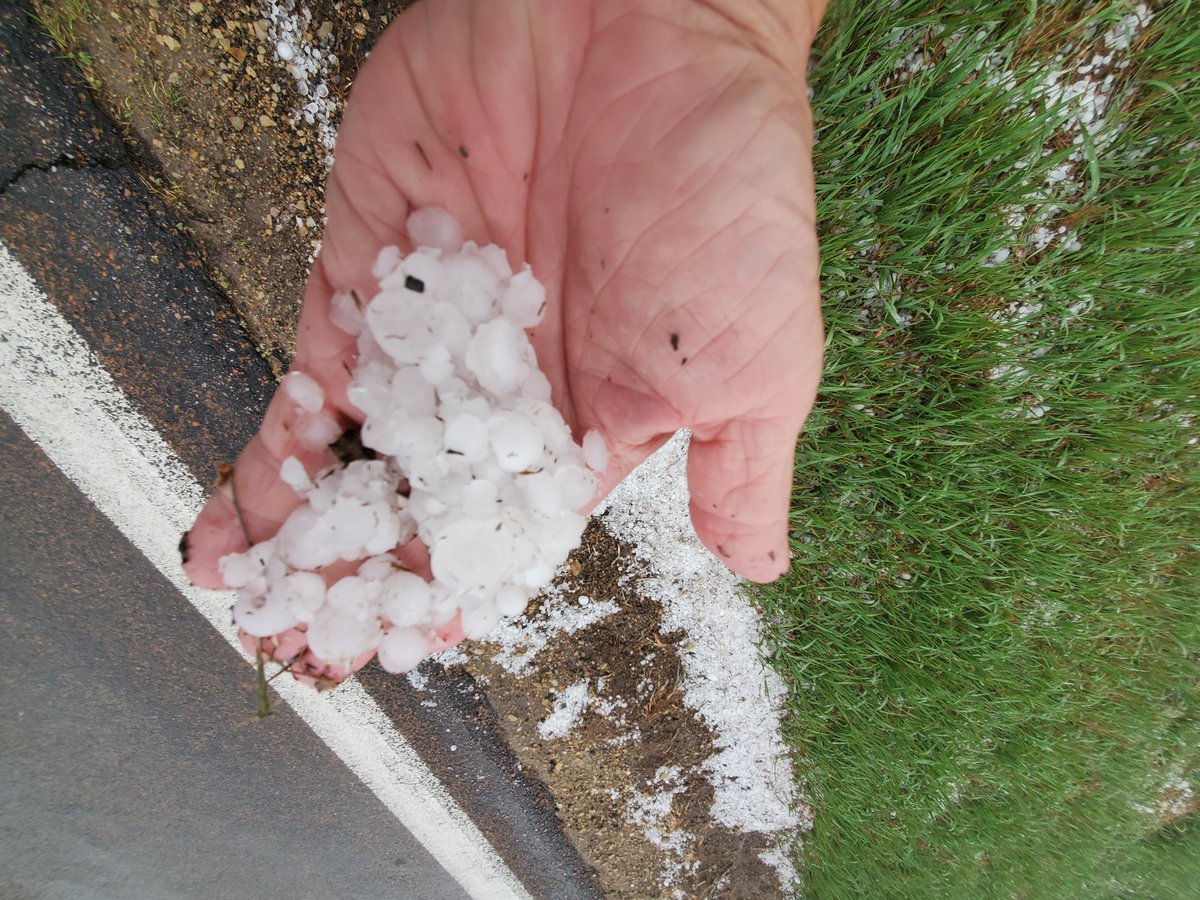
(740, 481)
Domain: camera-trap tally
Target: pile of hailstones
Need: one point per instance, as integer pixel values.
(454, 404)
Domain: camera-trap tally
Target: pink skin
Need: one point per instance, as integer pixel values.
(651, 160)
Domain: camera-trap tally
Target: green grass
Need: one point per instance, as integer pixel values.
(991, 627)
(60, 19)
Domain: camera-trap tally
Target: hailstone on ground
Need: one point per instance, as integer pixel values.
(464, 451)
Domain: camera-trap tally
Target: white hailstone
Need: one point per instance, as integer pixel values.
(498, 260)
(543, 494)
(419, 273)
(370, 389)
(472, 555)
(316, 432)
(455, 406)
(398, 321)
(444, 604)
(377, 568)
(467, 436)
(536, 386)
(305, 593)
(448, 328)
(479, 618)
(517, 443)
(285, 51)
(355, 597)
(437, 365)
(595, 451)
(470, 284)
(524, 300)
(239, 569)
(511, 600)
(304, 391)
(577, 485)
(338, 639)
(432, 227)
(412, 393)
(386, 262)
(405, 599)
(496, 356)
(302, 541)
(478, 499)
(294, 475)
(402, 648)
(263, 615)
(345, 313)
(549, 421)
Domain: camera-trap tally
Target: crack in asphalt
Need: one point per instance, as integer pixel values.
(72, 159)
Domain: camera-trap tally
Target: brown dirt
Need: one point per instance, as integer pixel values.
(627, 741)
(206, 110)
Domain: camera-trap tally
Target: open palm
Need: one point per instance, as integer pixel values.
(653, 168)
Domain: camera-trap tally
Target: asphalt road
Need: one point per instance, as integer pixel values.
(133, 766)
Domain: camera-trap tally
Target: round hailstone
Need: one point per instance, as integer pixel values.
(345, 313)
(303, 542)
(397, 320)
(339, 640)
(402, 649)
(433, 227)
(386, 262)
(412, 393)
(437, 365)
(316, 432)
(524, 300)
(496, 258)
(304, 391)
(496, 356)
(478, 619)
(467, 436)
(406, 599)
(595, 451)
(355, 597)
(294, 475)
(419, 273)
(517, 443)
(511, 600)
(470, 284)
(543, 494)
(238, 570)
(371, 389)
(472, 555)
(377, 568)
(577, 485)
(478, 499)
(448, 328)
(305, 592)
(264, 615)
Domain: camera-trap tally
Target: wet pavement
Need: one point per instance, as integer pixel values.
(133, 765)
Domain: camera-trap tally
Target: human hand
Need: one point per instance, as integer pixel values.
(651, 160)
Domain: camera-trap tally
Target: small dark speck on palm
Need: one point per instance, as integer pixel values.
(674, 341)
(462, 151)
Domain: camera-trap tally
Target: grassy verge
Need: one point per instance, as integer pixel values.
(60, 19)
(991, 627)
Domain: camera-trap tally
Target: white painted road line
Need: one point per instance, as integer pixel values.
(58, 393)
